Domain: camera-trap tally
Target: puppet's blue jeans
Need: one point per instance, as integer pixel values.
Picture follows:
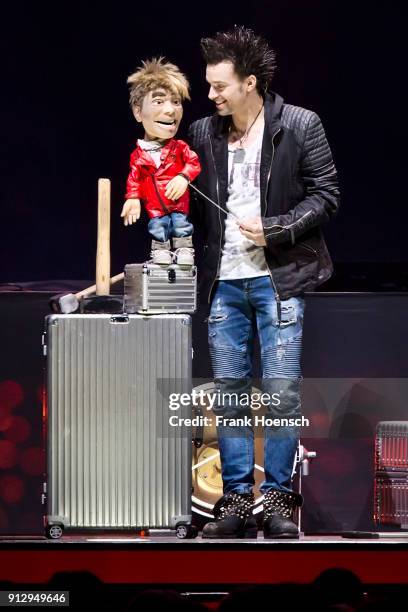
(174, 225)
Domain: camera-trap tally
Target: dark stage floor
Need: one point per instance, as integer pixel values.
(168, 539)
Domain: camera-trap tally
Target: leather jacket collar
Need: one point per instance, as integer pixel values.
(219, 126)
(144, 158)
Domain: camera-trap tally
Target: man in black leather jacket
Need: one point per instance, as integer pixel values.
(269, 168)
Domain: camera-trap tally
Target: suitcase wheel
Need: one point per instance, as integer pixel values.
(53, 532)
(186, 531)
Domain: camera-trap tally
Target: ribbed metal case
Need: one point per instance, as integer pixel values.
(150, 288)
(391, 446)
(114, 460)
(391, 474)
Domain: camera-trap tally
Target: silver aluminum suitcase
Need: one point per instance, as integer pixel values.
(113, 460)
(150, 288)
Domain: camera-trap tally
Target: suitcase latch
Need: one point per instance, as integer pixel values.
(171, 275)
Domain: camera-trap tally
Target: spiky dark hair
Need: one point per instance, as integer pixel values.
(249, 53)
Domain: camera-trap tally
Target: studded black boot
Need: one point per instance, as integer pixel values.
(233, 517)
(278, 514)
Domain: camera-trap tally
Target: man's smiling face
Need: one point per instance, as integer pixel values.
(227, 90)
(160, 114)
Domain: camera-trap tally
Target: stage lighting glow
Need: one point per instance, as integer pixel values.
(11, 489)
(32, 461)
(8, 454)
(5, 418)
(18, 429)
(11, 393)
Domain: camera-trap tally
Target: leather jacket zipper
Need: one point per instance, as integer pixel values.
(219, 220)
(270, 169)
(277, 296)
(164, 207)
(307, 247)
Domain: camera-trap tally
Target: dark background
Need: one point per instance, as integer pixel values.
(66, 120)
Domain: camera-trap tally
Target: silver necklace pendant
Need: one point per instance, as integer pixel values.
(239, 156)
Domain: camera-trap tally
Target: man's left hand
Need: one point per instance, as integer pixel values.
(253, 230)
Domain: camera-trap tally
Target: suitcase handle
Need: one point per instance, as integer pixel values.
(119, 319)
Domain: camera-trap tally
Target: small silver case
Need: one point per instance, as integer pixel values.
(153, 289)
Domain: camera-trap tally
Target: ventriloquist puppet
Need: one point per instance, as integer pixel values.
(161, 167)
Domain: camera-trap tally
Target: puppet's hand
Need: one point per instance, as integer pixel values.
(176, 187)
(253, 230)
(131, 211)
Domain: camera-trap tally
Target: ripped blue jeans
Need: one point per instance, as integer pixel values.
(239, 309)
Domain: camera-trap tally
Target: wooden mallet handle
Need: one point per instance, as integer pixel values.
(90, 290)
(68, 302)
(103, 244)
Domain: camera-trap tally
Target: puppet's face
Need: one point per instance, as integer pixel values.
(228, 92)
(160, 114)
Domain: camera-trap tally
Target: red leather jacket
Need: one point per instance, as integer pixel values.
(148, 183)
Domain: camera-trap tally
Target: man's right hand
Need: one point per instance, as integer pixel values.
(131, 211)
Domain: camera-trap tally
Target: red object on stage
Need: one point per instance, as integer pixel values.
(210, 564)
(391, 474)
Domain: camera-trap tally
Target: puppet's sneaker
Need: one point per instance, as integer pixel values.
(184, 256)
(162, 257)
(161, 253)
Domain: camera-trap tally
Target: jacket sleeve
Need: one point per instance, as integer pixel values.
(321, 200)
(197, 205)
(192, 166)
(134, 184)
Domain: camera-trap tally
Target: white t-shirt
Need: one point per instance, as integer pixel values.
(241, 258)
(152, 148)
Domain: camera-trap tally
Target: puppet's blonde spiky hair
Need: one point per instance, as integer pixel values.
(154, 73)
